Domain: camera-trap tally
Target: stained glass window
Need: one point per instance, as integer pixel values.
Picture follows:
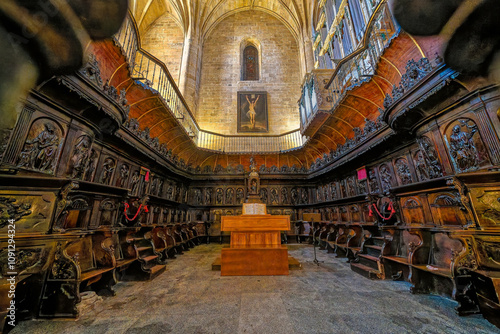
(250, 63)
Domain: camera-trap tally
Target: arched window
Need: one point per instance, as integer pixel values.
(250, 63)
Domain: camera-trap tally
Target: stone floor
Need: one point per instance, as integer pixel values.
(190, 298)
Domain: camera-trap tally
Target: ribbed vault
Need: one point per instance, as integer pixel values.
(203, 15)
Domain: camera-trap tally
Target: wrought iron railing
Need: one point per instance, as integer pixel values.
(360, 66)
(354, 69)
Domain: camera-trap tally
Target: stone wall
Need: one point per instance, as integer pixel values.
(164, 39)
(221, 73)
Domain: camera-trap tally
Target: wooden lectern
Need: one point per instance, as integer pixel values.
(256, 247)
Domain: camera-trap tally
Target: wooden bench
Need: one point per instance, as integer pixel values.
(94, 255)
(148, 264)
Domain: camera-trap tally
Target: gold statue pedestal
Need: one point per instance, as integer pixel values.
(255, 247)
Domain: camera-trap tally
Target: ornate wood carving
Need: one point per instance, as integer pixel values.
(41, 148)
(80, 156)
(9, 209)
(385, 177)
(219, 196)
(229, 196)
(403, 171)
(465, 146)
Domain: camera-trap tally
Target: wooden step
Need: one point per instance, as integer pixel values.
(398, 259)
(293, 264)
(374, 247)
(157, 268)
(365, 270)
(369, 257)
(149, 258)
(130, 240)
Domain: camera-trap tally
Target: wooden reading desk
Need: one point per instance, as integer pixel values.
(255, 247)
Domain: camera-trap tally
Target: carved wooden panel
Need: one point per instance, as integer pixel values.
(365, 208)
(403, 172)
(443, 250)
(77, 213)
(488, 249)
(413, 212)
(386, 177)
(426, 160)
(355, 213)
(344, 215)
(486, 204)
(81, 252)
(465, 146)
(32, 210)
(42, 146)
(446, 209)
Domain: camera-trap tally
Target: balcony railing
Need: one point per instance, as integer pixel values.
(153, 74)
(241, 144)
(354, 69)
(360, 65)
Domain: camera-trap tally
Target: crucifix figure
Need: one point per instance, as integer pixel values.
(251, 110)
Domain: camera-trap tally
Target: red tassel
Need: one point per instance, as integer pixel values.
(391, 208)
(370, 213)
(146, 209)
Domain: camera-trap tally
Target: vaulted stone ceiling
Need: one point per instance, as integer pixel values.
(203, 15)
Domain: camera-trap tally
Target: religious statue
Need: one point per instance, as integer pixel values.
(219, 195)
(170, 192)
(40, 152)
(422, 167)
(134, 183)
(430, 157)
(263, 194)
(385, 177)
(403, 171)
(107, 170)
(284, 195)
(80, 156)
(240, 194)
(208, 196)
(253, 186)
(251, 110)
(372, 178)
(229, 195)
(160, 187)
(91, 165)
(274, 196)
(295, 196)
(462, 148)
(197, 196)
(304, 197)
(333, 190)
(124, 173)
(154, 186)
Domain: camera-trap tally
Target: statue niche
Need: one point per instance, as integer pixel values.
(465, 146)
(253, 184)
